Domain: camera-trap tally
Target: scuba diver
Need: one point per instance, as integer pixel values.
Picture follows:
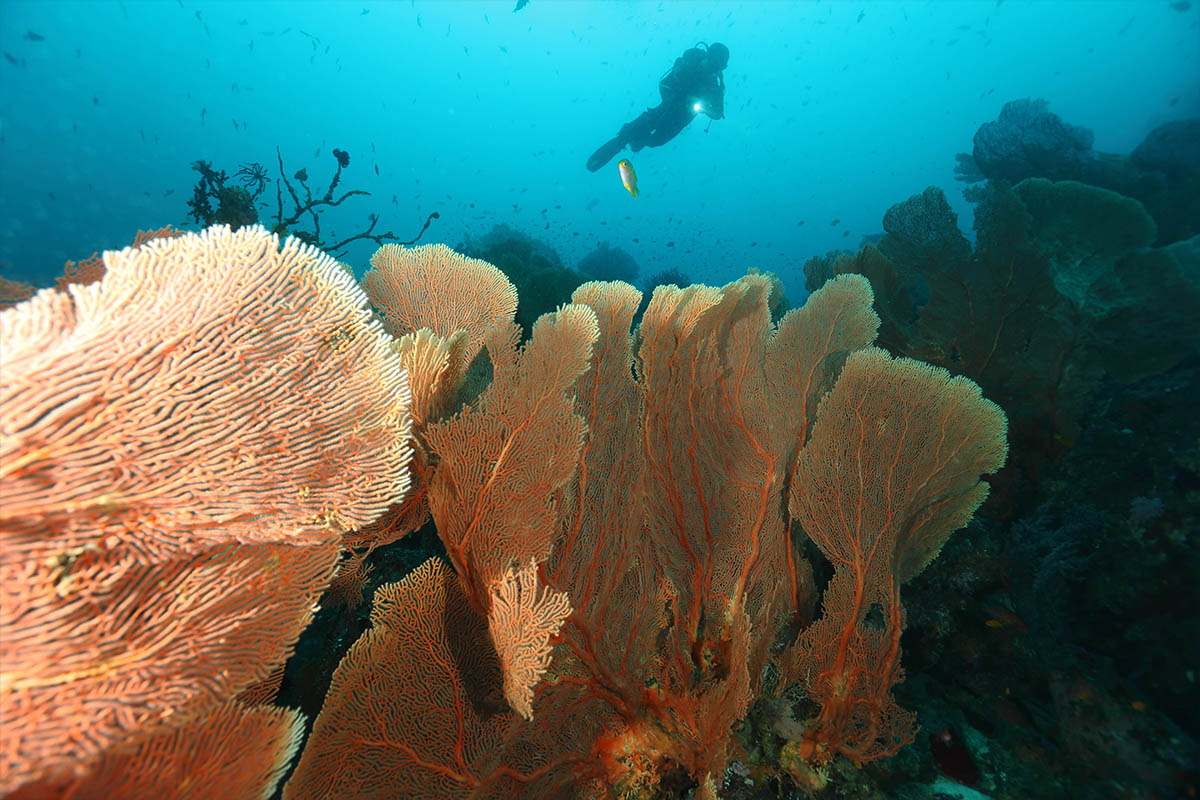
(693, 86)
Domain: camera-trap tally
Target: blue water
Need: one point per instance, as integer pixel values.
(835, 111)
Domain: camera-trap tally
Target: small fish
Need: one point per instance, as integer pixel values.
(34, 36)
(520, 4)
(628, 176)
(10, 58)
(1003, 619)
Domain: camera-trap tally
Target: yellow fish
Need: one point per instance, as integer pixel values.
(628, 176)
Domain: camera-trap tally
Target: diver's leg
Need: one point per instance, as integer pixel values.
(605, 153)
(637, 132)
(631, 133)
(667, 129)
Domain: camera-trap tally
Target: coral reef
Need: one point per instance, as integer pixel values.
(609, 263)
(1057, 292)
(1029, 141)
(649, 618)
(573, 540)
(542, 282)
(1049, 631)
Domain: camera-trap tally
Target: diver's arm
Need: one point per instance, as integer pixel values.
(718, 103)
(713, 98)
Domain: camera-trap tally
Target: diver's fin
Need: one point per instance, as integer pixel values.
(605, 153)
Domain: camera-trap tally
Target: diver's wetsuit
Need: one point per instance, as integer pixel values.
(693, 86)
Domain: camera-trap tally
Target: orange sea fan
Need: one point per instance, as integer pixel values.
(214, 386)
(264, 691)
(891, 471)
(436, 366)
(524, 619)
(230, 752)
(435, 369)
(81, 273)
(13, 292)
(92, 269)
(434, 287)
(165, 232)
(412, 710)
(352, 579)
(503, 461)
(181, 447)
(107, 648)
